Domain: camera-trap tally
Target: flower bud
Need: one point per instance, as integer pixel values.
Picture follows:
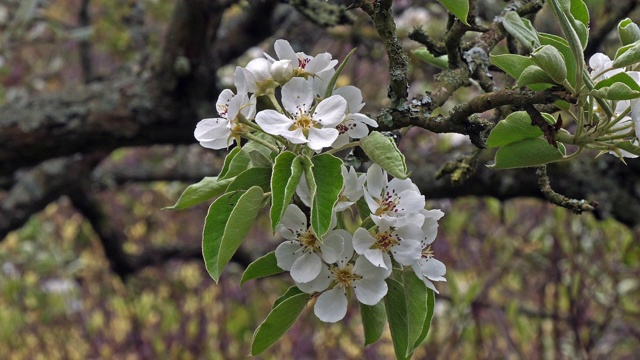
(282, 71)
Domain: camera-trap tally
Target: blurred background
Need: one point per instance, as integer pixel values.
(106, 95)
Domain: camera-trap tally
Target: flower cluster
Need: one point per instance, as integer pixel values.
(303, 115)
(626, 112)
(401, 232)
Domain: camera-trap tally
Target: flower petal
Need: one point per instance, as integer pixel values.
(332, 246)
(293, 223)
(331, 306)
(306, 267)
(362, 240)
(319, 63)
(367, 270)
(353, 95)
(331, 111)
(273, 122)
(370, 291)
(433, 268)
(320, 283)
(376, 257)
(376, 180)
(285, 51)
(287, 253)
(297, 96)
(321, 138)
(407, 252)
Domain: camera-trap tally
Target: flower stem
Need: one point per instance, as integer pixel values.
(262, 142)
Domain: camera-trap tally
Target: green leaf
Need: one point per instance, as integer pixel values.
(512, 64)
(284, 180)
(279, 320)
(415, 294)
(580, 11)
(239, 163)
(563, 46)
(521, 29)
(292, 291)
(258, 176)
(327, 172)
(534, 75)
(551, 61)
(431, 302)
(628, 32)
(227, 223)
(258, 159)
(423, 54)
(515, 127)
(336, 75)
(384, 152)
(307, 166)
(264, 266)
(373, 320)
(527, 153)
(396, 307)
(627, 55)
(620, 86)
(459, 8)
(227, 162)
(206, 189)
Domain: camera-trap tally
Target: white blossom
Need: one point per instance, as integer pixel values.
(365, 279)
(303, 65)
(303, 251)
(354, 125)
(402, 239)
(220, 133)
(393, 198)
(303, 124)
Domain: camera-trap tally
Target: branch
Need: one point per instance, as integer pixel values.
(37, 187)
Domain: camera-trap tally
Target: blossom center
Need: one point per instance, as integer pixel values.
(388, 203)
(309, 240)
(385, 240)
(427, 253)
(344, 276)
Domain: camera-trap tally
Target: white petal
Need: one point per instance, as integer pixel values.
(347, 248)
(433, 268)
(240, 80)
(285, 51)
(435, 214)
(273, 122)
(362, 240)
(222, 105)
(330, 111)
(331, 306)
(353, 95)
(411, 231)
(341, 140)
(260, 69)
(410, 202)
(212, 128)
(303, 191)
(367, 270)
(376, 180)
(321, 81)
(407, 252)
(296, 136)
(217, 144)
(358, 130)
(320, 283)
(430, 230)
(343, 205)
(293, 223)
(376, 257)
(297, 95)
(371, 202)
(370, 291)
(321, 138)
(319, 63)
(306, 267)
(332, 246)
(287, 253)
